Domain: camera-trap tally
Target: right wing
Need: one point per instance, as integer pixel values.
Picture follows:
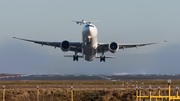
(75, 46)
(92, 21)
(123, 46)
(103, 47)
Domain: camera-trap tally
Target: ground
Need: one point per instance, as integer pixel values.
(26, 90)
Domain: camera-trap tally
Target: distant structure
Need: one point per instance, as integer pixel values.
(84, 22)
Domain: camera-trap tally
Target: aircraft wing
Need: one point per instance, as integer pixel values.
(92, 21)
(75, 46)
(105, 47)
(76, 21)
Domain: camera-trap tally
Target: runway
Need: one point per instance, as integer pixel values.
(91, 77)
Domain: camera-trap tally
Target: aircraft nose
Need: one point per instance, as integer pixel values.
(89, 29)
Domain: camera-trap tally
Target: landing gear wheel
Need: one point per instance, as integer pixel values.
(75, 57)
(102, 58)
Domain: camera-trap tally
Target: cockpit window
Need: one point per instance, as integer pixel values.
(89, 26)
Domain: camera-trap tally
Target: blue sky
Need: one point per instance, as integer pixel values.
(121, 21)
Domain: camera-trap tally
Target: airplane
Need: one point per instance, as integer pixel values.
(84, 22)
(89, 47)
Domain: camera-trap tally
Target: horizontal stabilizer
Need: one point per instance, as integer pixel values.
(106, 56)
(72, 56)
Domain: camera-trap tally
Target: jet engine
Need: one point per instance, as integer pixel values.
(113, 47)
(65, 46)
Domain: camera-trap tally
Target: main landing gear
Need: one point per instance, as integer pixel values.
(75, 57)
(102, 57)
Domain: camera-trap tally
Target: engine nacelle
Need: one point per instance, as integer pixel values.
(113, 47)
(65, 46)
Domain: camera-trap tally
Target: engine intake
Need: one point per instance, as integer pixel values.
(113, 47)
(65, 46)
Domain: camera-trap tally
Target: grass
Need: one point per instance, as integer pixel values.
(83, 90)
(85, 82)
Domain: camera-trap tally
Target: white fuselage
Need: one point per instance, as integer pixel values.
(89, 42)
(83, 22)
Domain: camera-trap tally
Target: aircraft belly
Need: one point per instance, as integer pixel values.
(89, 45)
(89, 53)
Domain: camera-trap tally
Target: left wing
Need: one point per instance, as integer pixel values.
(75, 46)
(76, 21)
(54, 44)
(102, 47)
